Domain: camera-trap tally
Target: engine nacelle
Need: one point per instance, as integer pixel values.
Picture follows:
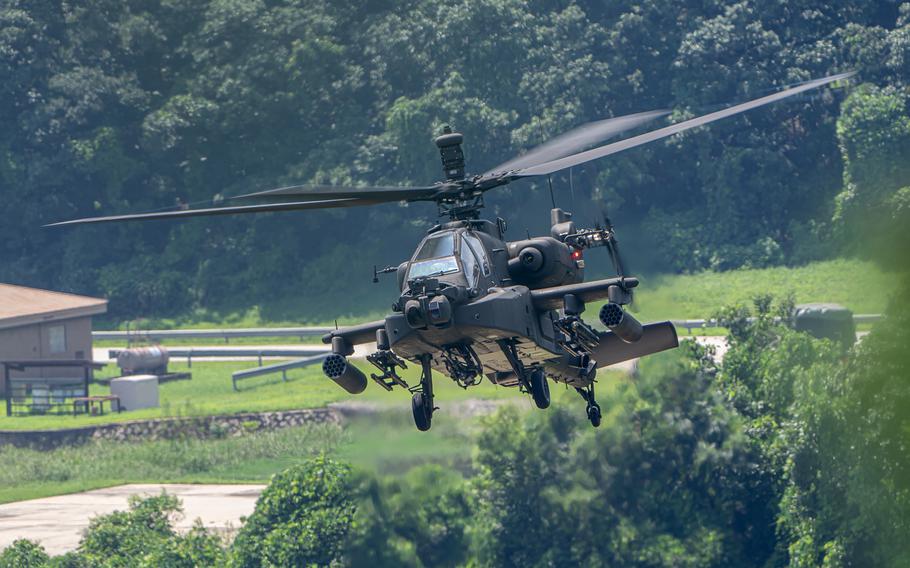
(347, 376)
(542, 262)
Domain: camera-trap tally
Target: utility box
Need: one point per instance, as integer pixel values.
(827, 321)
(136, 391)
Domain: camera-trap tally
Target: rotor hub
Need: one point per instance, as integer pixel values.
(449, 144)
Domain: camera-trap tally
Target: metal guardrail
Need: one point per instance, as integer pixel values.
(225, 334)
(258, 352)
(691, 324)
(302, 332)
(282, 368)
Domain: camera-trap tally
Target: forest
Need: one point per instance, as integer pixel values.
(113, 106)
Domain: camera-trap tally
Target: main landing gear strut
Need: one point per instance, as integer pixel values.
(422, 398)
(534, 380)
(592, 409)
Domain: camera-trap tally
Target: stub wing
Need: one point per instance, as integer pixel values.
(552, 298)
(356, 334)
(657, 337)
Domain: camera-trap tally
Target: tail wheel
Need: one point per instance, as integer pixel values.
(540, 388)
(594, 414)
(423, 415)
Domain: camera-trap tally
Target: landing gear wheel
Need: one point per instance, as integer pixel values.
(540, 388)
(423, 415)
(594, 416)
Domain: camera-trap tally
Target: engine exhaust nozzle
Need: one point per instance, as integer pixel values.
(621, 323)
(347, 376)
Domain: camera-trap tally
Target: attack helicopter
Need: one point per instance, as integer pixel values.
(474, 305)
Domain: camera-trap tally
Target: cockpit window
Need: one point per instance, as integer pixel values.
(469, 262)
(479, 251)
(433, 267)
(435, 247)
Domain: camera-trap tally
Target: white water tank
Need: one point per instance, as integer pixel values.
(136, 391)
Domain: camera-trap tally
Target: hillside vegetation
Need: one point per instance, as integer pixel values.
(862, 286)
(110, 106)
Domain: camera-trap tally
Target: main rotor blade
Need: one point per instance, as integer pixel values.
(265, 208)
(577, 139)
(593, 154)
(314, 192)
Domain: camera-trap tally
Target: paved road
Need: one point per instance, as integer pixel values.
(58, 522)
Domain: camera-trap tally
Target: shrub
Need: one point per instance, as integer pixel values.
(302, 518)
(23, 553)
(124, 538)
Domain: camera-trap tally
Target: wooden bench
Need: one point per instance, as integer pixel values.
(89, 402)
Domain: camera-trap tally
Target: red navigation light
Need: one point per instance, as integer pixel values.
(576, 254)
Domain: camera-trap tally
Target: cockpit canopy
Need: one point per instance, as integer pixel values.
(455, 257)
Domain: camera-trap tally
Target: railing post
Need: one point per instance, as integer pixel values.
(7, 390)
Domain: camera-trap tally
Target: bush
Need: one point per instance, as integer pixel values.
(125, 538)
(23, 554)
(302, 518)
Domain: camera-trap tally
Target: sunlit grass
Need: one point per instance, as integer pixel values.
(210, 392)
(860, 286)
(29, 474)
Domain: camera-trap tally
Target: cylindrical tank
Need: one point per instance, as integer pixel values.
(347, 376)
(138, 359)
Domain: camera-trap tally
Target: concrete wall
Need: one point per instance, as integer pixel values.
(171, 428)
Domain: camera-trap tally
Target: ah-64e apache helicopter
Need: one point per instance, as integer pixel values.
(473, 304)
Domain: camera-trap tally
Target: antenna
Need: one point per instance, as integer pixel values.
(571, 189)
(540, 133)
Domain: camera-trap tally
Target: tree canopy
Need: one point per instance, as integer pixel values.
(137, 105)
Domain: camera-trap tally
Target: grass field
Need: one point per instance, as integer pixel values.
(210, 392)
(384, 441)
(860, 286)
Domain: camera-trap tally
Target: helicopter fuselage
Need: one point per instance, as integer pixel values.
(474, 305)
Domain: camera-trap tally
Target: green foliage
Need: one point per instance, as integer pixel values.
(31, 473)
(874, 136)
(848, 495)
(419, 519)
(133, 106)
(128, 538)
(196, 548)
(789, 452)
(23, 553)
(301, 519)
(658, 485)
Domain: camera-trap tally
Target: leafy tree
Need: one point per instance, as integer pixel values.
(874, 135)
(847, 501)
(115, 106)
(125, 538)
(23, 553)
(302, 518)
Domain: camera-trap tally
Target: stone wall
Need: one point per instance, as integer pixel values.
(171, 428)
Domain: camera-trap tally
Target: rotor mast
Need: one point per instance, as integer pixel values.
(462, 200)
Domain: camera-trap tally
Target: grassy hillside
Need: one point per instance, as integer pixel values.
(860, 286)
